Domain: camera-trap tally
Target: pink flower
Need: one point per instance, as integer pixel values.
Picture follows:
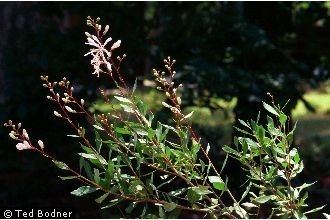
(23, 146)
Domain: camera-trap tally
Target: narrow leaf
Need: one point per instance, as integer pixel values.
(122, 99)
(262, 199)
(67, 177)
(83, 190)
(270, 109)
(169, 206)
(61, 165)
(102, 198)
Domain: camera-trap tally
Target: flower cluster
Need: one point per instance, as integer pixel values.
(101, 55)
(167, 85)
(21, 135)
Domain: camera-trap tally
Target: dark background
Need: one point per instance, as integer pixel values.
(223, 49)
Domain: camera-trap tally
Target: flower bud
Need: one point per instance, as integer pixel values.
(57, 114)
(166, 105)
(116, 45)
(106, 29)
(69, 109)
(179, 100)
(27, 145)
(25, 134)
(12, 136)
(20, 146)
(41, 144)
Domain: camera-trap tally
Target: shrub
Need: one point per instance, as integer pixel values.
(164, 169)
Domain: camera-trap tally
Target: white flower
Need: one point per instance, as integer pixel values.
(23, 146)
(166, 105)
(179, 100)
(109, 66)
(25, 134)
(82, 102)
(20, 146)
(11, 135)
(116, 45)
(99, 53)
(69, 109)
(27, 145)
(107, 41)
(57, 114)
(41, 144)
(106, 29)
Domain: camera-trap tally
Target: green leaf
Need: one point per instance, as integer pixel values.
(151, 216)
(193, 196)
(169, 206)
(98, 141)
(112, 203)
(219, 186)
(217, 182)
(142, 107)
(327, 216)
(61, 165)
(102, 198)
(245, 146)
(305, 185)
(177, 192)
(236, 141)
(242, 131)
(261, 133)
(122, 99)
(130, 208)
(73, 135)
(87, 156)
(290, 138)
(110, 171)
(68, 177)
(120, 130)
(246, 192)
(97, 175)
(201, 190)
(270, 123)
(140, 131)
(249, 205)
(87, 167)
(92, 157)
(189, 115)
(83, 190)
(295, 155)
(263, 199)
(161, 212)
(270, 109)
(224, 163)
(98, 127)
(315, 210)
(231, 151)
(283, 118)
(243, 123)
(127, 108)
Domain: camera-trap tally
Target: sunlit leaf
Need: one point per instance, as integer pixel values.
(270, 109)
(83, 190)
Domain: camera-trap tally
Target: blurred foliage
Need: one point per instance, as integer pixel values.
(223, 48)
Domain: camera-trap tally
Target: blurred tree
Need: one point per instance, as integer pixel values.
(245, 50)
